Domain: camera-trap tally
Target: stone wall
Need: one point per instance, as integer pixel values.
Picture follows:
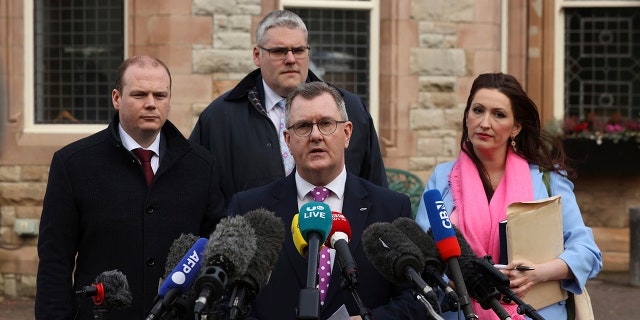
(22, 189)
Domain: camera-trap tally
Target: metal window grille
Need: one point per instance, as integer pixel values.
(602, 63)
(78, 46)
(339, 40)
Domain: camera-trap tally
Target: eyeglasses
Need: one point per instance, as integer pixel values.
(325, 126)
(281, 53)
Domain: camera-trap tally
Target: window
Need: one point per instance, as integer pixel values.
(344, 44)
(602, 63)
(77, 46)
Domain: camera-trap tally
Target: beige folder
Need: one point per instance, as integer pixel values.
(534, 232)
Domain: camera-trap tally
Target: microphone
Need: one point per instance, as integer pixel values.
(314, 222)
(481, 289)
(338, 239)
(183, 274)
(448, 246)
(486, 283)
(395, 256)
(110, 291)
(226, 256)
(269, 231)
(433, 268)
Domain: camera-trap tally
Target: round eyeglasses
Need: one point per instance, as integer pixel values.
(281, 53)
(325, 126)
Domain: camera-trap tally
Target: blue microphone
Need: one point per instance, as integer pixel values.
(314, 221)
(179, 280)
(448, 246)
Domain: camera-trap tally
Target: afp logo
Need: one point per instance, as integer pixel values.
(180, 277)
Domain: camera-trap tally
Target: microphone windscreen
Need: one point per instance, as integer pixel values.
(390, 251)
(339, 223)
(269, 231)
(315, 217)
(421, 239)
(442, 227)
(178, 248)
(116, 289)
(186, 270)
(231, 246)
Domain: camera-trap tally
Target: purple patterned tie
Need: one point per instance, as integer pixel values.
(286, 155)
(324, 262)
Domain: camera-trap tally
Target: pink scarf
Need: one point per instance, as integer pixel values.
(479, 224)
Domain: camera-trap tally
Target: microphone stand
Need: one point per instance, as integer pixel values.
(309, 298)
(501, 283)
(350, 282)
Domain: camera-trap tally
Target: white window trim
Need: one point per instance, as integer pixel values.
(558, 76)
(374, 39)
(49, 134)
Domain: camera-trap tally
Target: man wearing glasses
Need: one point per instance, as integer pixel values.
(318, 133)
(244, 127)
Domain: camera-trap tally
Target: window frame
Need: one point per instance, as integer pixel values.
(559, 21)
(373, 6)
(38, 134)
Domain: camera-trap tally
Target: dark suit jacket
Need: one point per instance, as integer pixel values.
(364, 203)
(99, 215)
(238, 131)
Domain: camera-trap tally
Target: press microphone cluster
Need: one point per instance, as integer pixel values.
(448, 246)
(110, 291)
(226, 257)
(398, 259)
(433, 269)
(184, 262)
(487, 284)
(269, 231)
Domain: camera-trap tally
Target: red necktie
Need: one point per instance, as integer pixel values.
(324, 262)
(145, 159)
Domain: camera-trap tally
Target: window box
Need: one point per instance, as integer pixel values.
(603, 156)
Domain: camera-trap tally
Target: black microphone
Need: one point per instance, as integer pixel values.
(482, 290)
(433, 267)
(226, 256)
(448, 246)
(486, 283)
(269, 231)
(396, 257)
(110, 291)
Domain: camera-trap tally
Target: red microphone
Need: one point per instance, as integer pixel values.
(339, 240)
(340, 229)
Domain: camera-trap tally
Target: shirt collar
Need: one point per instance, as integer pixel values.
(270, 97)
(131, 144)
(336, 186)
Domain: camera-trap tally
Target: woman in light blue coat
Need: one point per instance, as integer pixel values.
(503, 154)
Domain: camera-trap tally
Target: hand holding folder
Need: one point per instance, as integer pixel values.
(534, 232)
